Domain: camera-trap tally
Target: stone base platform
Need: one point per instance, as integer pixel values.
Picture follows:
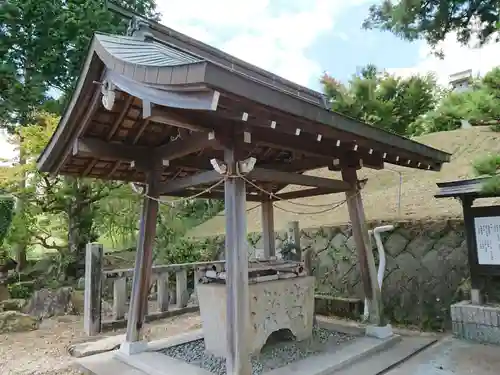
(480, 323)
(151, 362)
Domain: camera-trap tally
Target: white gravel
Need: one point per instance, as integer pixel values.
(273, 355)
(45, 351)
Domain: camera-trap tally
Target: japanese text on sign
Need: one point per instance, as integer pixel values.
(488, 239)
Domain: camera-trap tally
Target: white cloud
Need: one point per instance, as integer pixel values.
(456, 58)
(258, 32)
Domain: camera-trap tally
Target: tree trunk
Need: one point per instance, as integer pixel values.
(21, 245)
(80, 228)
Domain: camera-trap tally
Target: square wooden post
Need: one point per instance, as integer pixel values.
(477, 282)
(268, 228)
(143, 264)
(362, 240)
(237, 310)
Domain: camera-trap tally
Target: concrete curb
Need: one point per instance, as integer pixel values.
(358, 329)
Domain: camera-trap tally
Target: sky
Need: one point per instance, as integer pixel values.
(301, 39)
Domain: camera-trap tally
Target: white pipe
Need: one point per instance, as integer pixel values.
(381, 256)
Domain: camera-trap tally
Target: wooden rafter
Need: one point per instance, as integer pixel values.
(310, 147)
(121, 116)
(94, 147)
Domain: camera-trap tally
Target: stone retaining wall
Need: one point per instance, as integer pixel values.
(427, 268)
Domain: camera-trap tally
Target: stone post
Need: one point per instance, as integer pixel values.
(293, 233)
(93, 286)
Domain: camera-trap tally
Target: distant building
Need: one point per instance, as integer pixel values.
(461, 81)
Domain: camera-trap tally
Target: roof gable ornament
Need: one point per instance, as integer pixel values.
(138, 27)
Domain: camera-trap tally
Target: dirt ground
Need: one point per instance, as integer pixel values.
(45, 351)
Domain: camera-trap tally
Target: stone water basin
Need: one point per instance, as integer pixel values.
(283, 304)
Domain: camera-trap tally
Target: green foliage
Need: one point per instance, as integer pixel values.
(190, 250)
(382, 100)
(21, 290)
(489, 166)
(479, 104)
(6, 213)
(433, 20)
(42, 46)
(59, 212)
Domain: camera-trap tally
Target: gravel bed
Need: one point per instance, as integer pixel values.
(275, 354)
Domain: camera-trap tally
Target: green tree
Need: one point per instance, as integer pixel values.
(479, 104)
(59, 211)
(383, 100)
(42, 46)
(6, 213)
(434, 19)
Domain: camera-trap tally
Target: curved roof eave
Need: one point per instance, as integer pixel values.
(118, 54)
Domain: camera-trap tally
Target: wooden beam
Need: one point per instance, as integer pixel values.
(97, 148)
(303, 193)
(289, 178)
(362, 241)
(215, 194)
(299, 165)
(304, 144)
(202, 178)
(163, 116)
(237, 308)
(182, 147)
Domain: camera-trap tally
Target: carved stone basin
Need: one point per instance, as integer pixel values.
(274, 305)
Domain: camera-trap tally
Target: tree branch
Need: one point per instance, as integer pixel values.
(43, 241)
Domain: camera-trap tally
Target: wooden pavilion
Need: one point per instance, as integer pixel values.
(159, 108)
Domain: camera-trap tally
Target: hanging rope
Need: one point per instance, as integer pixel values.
(172, 203)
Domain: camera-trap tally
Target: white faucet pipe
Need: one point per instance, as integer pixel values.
(381, 256)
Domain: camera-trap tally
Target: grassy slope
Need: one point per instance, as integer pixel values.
(380, 196)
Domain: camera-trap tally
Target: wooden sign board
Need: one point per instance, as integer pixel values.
(487, 230)
(482, 226)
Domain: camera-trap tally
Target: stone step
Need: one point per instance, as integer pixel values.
(380, 363)
(104, 364)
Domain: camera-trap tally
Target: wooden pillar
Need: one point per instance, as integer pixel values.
(268, 229)
(362, 240)
(477, 282)
(143, 261)
(237, 310)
